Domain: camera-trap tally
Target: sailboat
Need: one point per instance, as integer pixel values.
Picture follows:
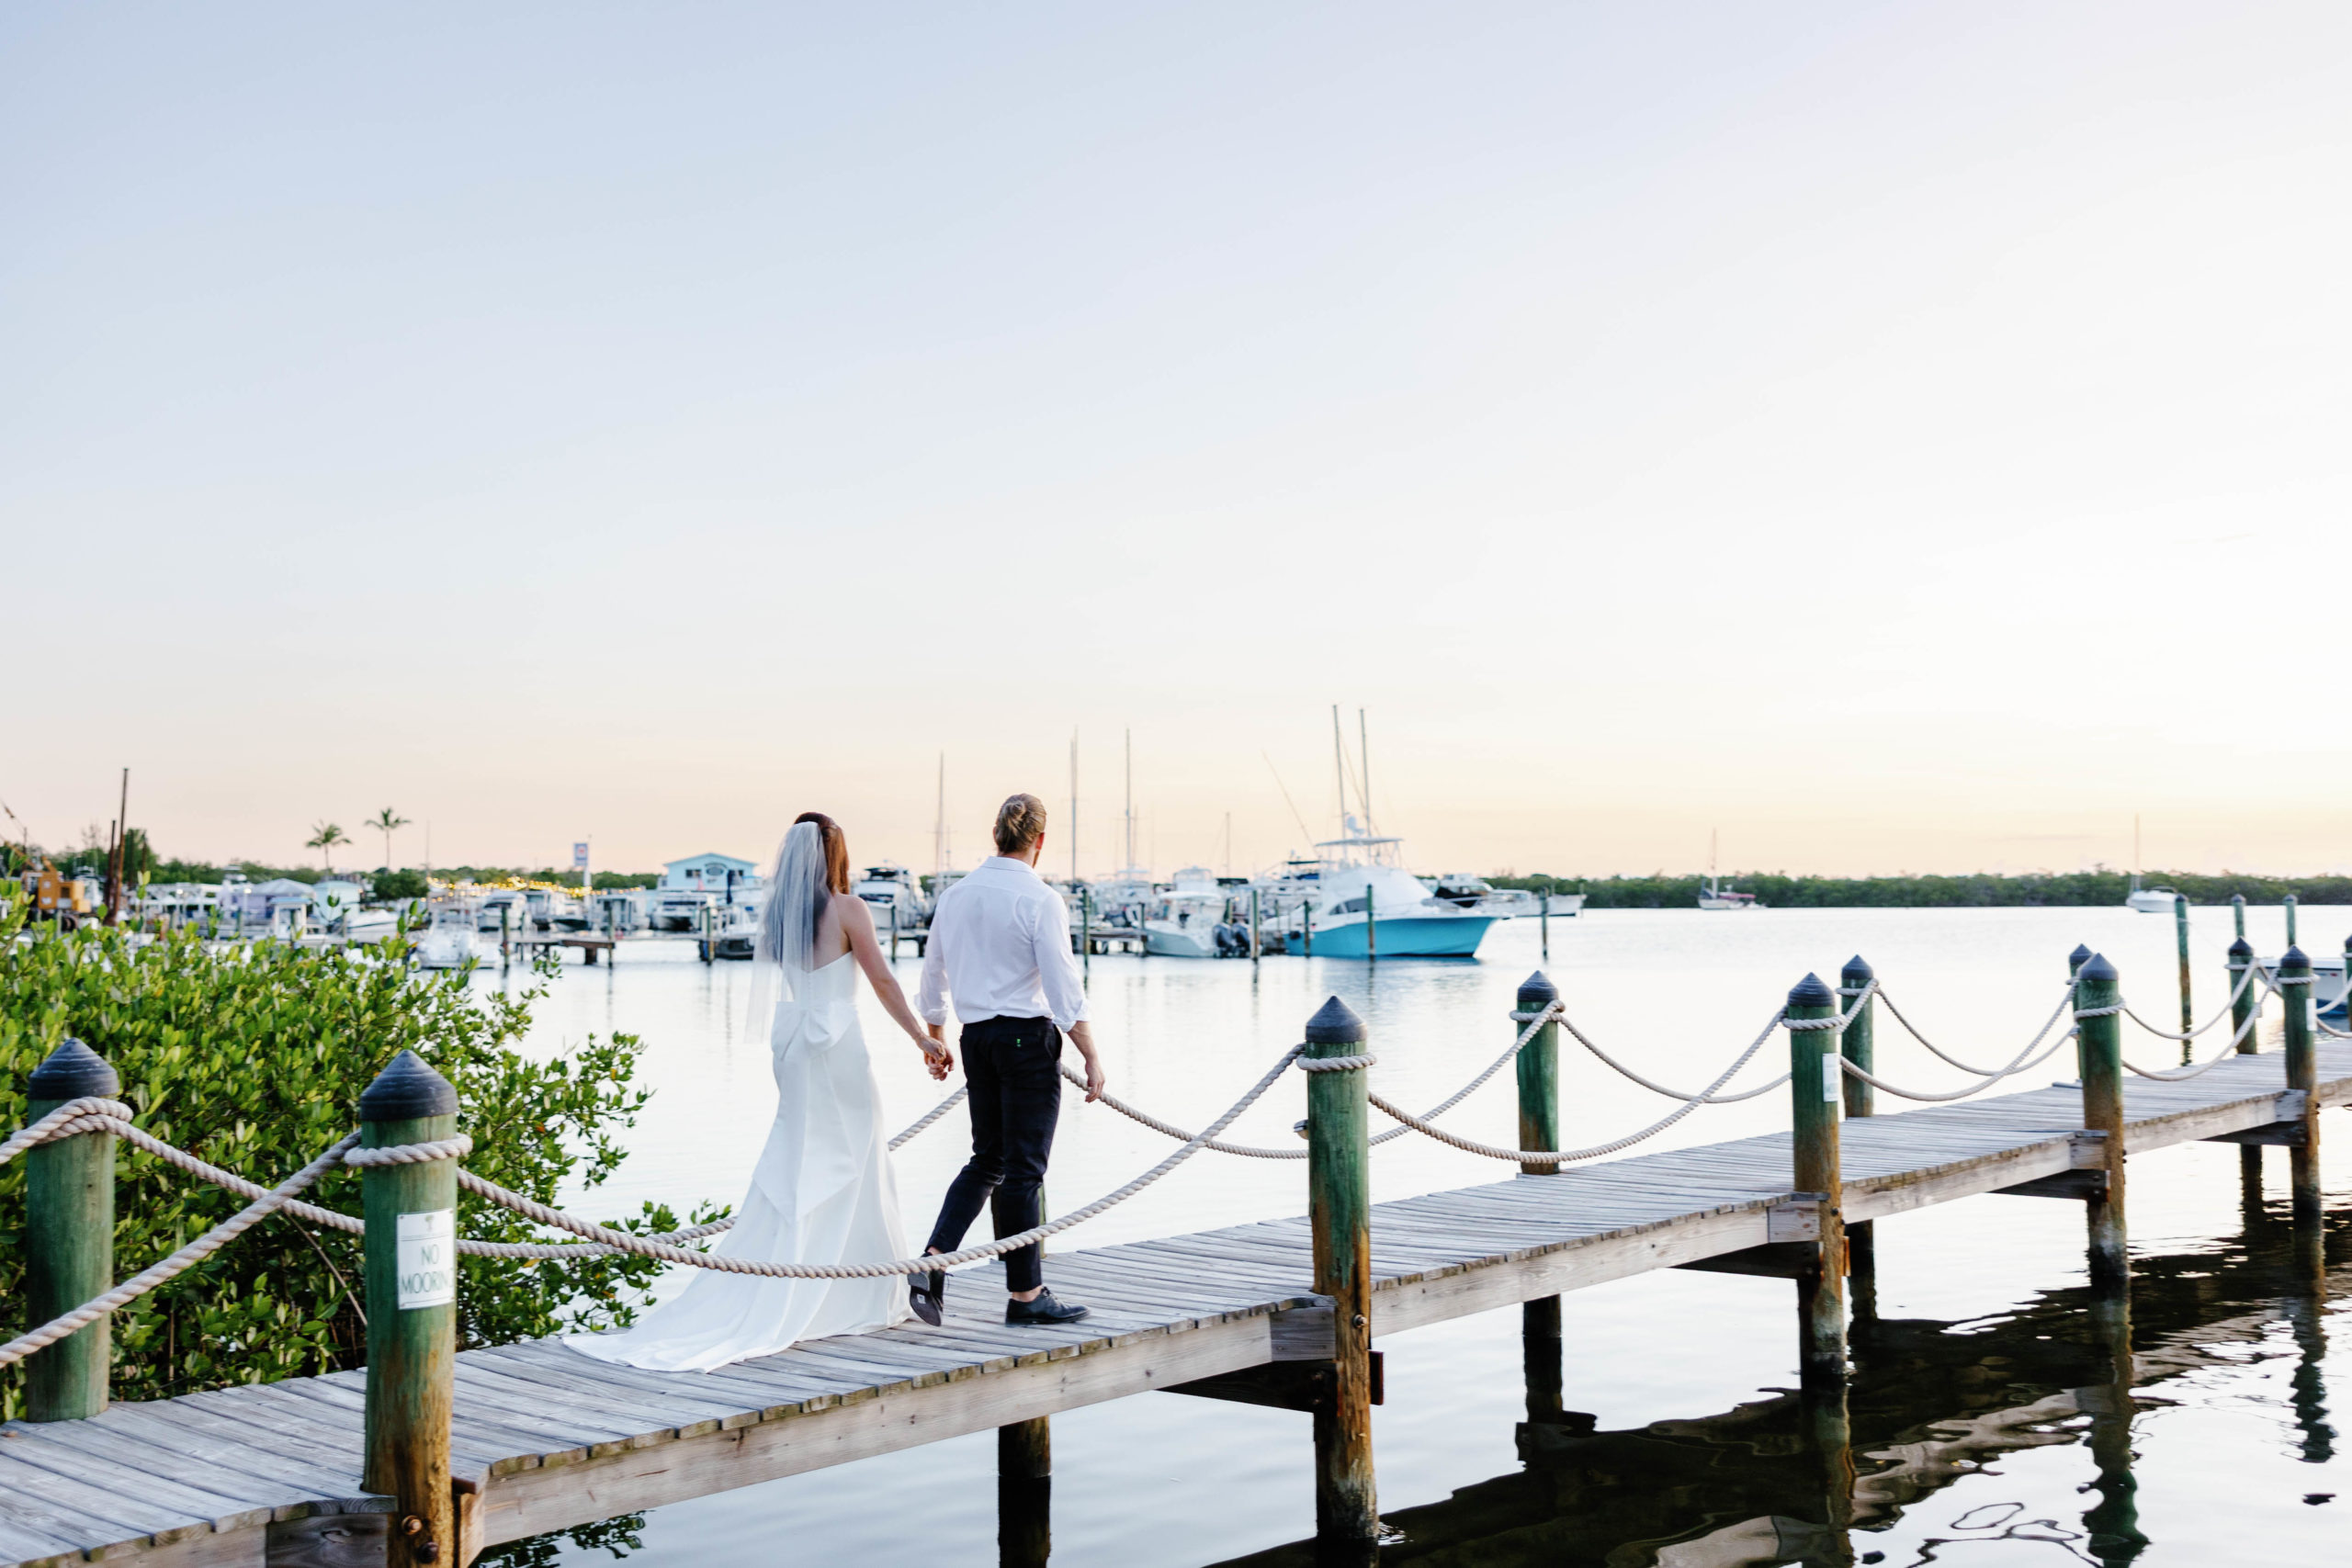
(1712, 896)
(2147, 900)
(1364, 902)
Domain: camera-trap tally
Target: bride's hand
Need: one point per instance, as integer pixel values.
(937, 1056)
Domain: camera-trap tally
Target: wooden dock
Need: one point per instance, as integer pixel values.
(544, 1439)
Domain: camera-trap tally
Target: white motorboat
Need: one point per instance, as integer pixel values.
(509, 902)
(1476, 893)
(450, 940)
(1182, 920)
(2149, 900)
(890, 891)
(1564, 904)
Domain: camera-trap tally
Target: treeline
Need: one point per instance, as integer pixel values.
(141, 864)
(1985, 890)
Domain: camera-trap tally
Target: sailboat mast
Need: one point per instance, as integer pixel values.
(939, 829)
(1072, 829)
(1364, 771)
(1340, 767)
(1130, 736)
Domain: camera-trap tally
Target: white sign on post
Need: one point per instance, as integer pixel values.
(1832, 1076)
(428, 1258)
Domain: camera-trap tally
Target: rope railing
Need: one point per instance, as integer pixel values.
(2184, 1036)
(1564, 1156)
(2024, 1061)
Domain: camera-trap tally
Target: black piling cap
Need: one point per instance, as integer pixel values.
(1335, 1023)
(2294, 958)
(1810, 992)
(1857, 972)
(1537, 990)
(71, 1071)
(2097, 968)
(2080, 956)
(406, 1090)
(2245, 949)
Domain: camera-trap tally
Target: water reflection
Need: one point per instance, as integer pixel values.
(1784, 1479)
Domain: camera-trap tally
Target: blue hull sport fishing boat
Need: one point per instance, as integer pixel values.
(1359, 887)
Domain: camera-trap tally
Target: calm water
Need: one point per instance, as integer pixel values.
(1692, 1454)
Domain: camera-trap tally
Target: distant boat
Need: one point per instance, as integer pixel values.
(448, 939)
(890, 888)
(1714, 896)
(2147, 900)
(1358, 882)
(1182, 920)
(1481, 897)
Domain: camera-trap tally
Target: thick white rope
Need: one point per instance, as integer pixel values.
(622, 1241)
(934, 1115)
(2184, 1072)
(1656, 1088)
(1938, 1052)
(2184, 1036)
(1564, 1157)
(179, 1262)
(2025, 1060)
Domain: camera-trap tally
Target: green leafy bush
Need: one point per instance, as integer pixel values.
(253, 1058)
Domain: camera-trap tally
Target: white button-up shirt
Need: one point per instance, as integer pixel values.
(999, 946)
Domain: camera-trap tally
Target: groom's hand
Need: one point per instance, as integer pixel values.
(1094, 1080)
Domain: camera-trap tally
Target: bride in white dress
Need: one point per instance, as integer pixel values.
(822, 1192)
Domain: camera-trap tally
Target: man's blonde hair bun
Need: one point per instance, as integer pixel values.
(1020, 822)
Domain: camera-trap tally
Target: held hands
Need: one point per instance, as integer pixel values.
(937, 1056)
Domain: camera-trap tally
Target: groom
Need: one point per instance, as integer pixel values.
(999, 945)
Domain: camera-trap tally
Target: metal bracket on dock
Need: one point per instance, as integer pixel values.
(2283, 1134)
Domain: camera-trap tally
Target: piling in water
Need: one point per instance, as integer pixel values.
(2102, 1056)
(1813, 1079)
(1340, 1205)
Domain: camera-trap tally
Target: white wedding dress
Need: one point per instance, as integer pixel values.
(822, 1192)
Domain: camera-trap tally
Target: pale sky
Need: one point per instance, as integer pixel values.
(1900, 436)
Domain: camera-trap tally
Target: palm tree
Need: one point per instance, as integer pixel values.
(387, 822)
(324, 837)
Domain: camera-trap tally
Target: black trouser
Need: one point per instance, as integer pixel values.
(1014, 1068)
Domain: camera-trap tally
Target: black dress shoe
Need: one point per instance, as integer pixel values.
(925, 1291)
(1043, 1309)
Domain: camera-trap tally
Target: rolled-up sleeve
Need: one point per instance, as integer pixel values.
(931, 996)
(1057, 968)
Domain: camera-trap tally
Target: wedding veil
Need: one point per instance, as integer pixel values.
(782, 957)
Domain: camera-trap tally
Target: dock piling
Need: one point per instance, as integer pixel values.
(411, 1315)
(1857, 1044)
(2244, 1004)
(2289, 905)
(1539, 1074)
(1254, 925)
(1024, 1491)
(2302, 1073)
(2237, 913)
(1371, 930)
(2180, 937)
(68, 1241)
(1339, 1182)
(2101, 1043)
(1813, 1079)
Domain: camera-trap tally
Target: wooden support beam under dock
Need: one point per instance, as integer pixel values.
(544, 1439)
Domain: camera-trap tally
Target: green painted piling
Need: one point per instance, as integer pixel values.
(1086, 932)
(2103, 1055)
(1371, 930)
(1339, 1184)
(2302, 1073)
(2237, 913)
(1858, 1043)
(2180, 938)
(2075, 962)
(1538, 1075)
(1814, 1077)
(1306, 914)
(1543, 921)
(1254, 925)
(411, 1316)
(69, 1237)
(2290, 919)
(2243, 1005)
(894, 930)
